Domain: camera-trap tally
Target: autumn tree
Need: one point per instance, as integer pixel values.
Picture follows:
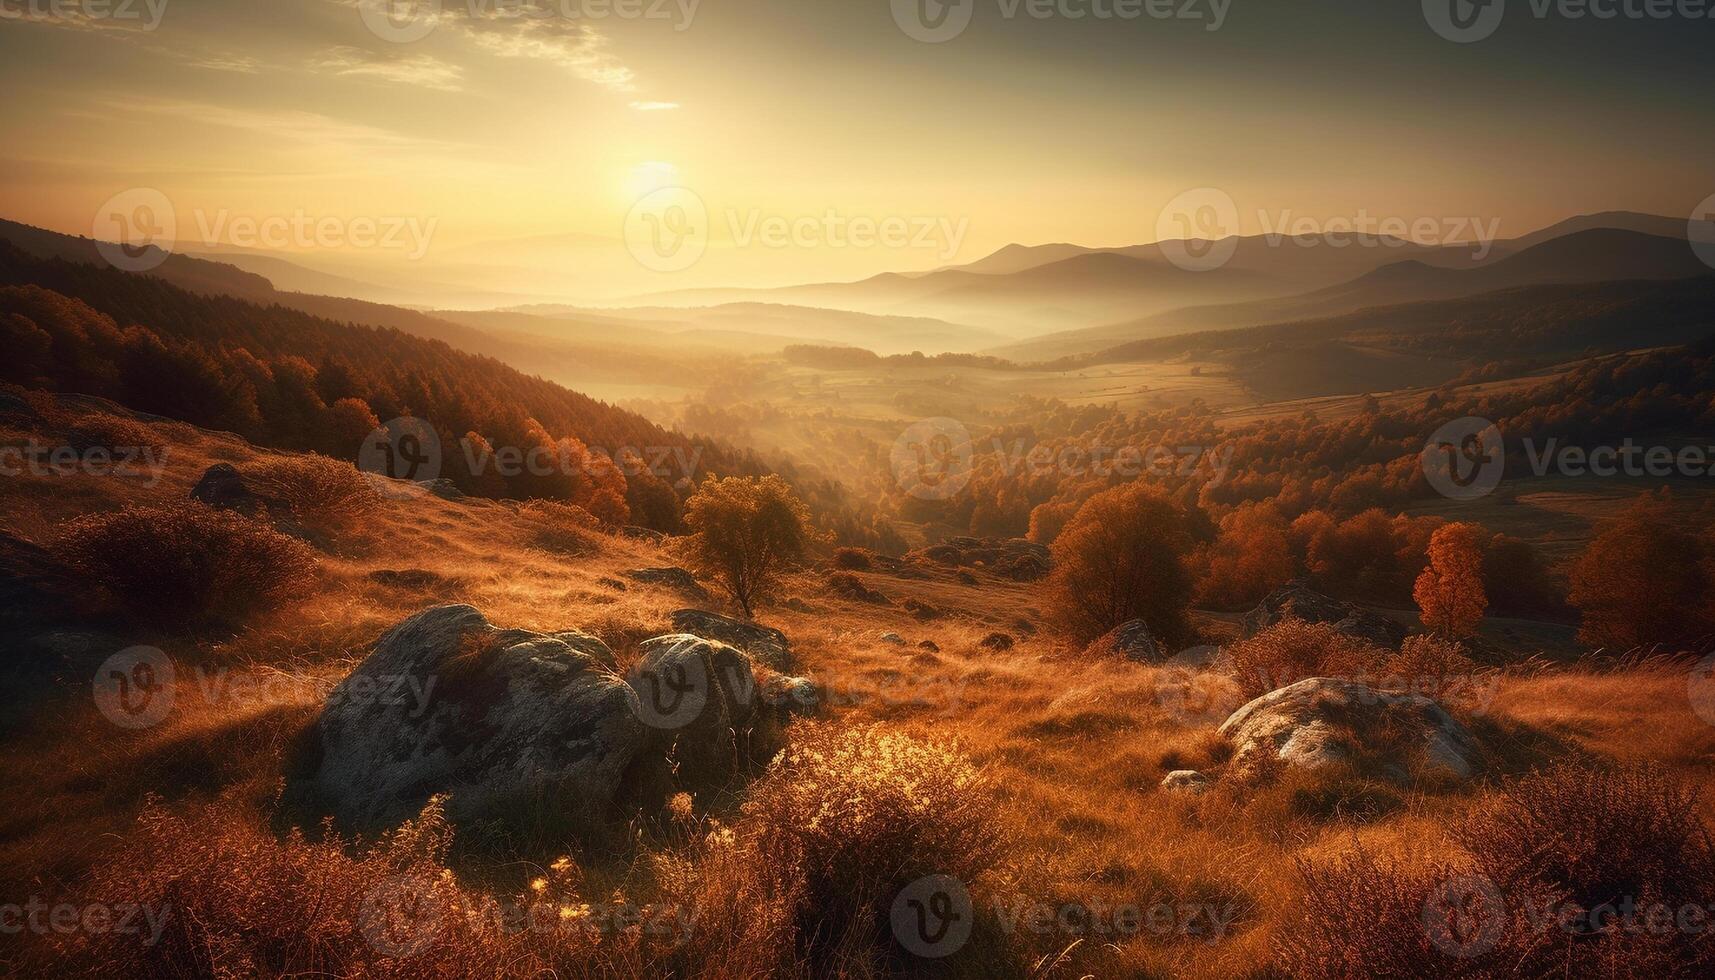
(1449, 590)
(1642, 581)
(1122, 557)
(1252, 556)
(746, 531)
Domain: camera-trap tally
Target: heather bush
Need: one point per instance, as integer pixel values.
(185, 563)
(1569, 871)
(1292, 650)
(1431, 665)
(323, 493)
(847, 817)
(853, 559)
(234, 900)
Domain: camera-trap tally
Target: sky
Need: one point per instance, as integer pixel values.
(542, 146)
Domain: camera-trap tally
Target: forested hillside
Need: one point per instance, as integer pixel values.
(284, 378)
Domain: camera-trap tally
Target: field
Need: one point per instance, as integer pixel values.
(1074, 747)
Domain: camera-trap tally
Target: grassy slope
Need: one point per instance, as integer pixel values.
(1077, 747)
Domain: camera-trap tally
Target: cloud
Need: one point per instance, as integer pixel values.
(220, 62)
(541, 35)
(424, 71)
(294, 126)
(79, 15)
(654, 106)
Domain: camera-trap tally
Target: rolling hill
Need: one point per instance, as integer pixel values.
(1585, 256)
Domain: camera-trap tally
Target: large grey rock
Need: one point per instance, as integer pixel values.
(701, 698)
(1131, 640)
(448, 703)
(765, 645)
(1296, 600)
(672, 577)
(1324, 721)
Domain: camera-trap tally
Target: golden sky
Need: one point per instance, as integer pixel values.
(502, 124)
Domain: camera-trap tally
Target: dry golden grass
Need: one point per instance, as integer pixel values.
(1072, 751)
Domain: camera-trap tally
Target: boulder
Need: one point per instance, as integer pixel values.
(224, 488)
(929, 645)
(700, 698)
(849, 586)
(16, 409)
(996, 641)
(1186, 781)
(672, 577)
(765, 645)
(1325, 721)
(796, 696)
(443, 488)
(495, 718)
(893, 638)
(1131, 640)
(1296, 600)
(1016, 558)
(920, 609)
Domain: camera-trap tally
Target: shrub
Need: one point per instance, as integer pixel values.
(185, 563)
(1363, 917)
(1544, 854)
(1595, 836)
(1122, 557)
(853, 559)
(237, 901)
(849, 586)
(324, 493)
(847, 817)
(1292, 650)
(748, 531)
(1430, 665)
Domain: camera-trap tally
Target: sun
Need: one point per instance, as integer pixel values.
(650, 176)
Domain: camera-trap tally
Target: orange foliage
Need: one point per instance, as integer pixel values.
(1450, 590)
(1123, 557)
(746, 533)
(1252, 556)
(1643, 581)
